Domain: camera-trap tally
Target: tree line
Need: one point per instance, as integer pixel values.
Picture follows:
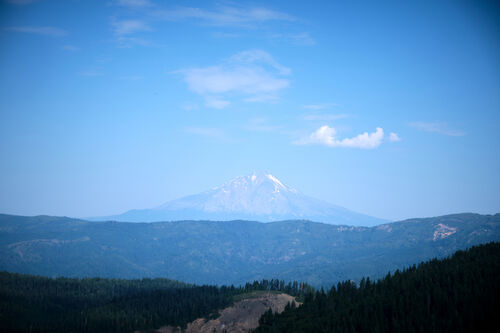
(457, 294)
(41, 304)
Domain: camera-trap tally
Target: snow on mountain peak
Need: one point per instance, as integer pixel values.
(255, 179)
(276, 180)
(258, 196)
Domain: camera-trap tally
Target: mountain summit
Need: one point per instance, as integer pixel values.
(256, 194)
(259, 197)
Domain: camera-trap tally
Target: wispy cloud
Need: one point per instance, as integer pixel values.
(437, 127)
(259, 56)
(128, 27)
(125, 32)
(300, 39)
(393, 137)
(225, 15)
(262, 99)
(253, 74)
(326, 136)
(221, 16)
(37, 30)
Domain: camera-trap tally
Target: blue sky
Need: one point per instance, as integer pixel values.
(387, 108)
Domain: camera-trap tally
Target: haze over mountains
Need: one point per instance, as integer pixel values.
(232, 252)
(258, 197)
(218, 237)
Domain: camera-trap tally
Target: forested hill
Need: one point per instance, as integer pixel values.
(459, 294)
(40, 304)
(208, 252)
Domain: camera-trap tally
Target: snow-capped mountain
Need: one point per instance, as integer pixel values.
(258, 197)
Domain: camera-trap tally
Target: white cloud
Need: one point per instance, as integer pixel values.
(253, 74)
(441, 128)
(262, 99)
(223, 79)
(300, 39)
(326, 135)
(45, 31)
(323, 135)
(125, 30)
(225, 15)
(128, 27)
(259, 56)
(393, 137)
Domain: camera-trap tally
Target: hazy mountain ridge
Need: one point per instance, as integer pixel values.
(257, 197)
(231, 252)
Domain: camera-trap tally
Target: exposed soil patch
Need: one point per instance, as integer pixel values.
(243, 316)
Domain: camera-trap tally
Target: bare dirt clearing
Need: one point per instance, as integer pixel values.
(243, 316)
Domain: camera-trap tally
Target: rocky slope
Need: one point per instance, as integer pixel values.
(242, 317)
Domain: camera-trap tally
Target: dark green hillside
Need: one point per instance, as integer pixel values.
(41, 304)
(458, 294)
(232, 252)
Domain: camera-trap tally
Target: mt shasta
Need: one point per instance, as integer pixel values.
(258, 197)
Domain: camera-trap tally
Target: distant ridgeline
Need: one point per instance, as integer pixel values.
(209, 252)
(40, 304)
(459, 294)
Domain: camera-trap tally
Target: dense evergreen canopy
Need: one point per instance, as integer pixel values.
(41, 304)
(458, 294)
